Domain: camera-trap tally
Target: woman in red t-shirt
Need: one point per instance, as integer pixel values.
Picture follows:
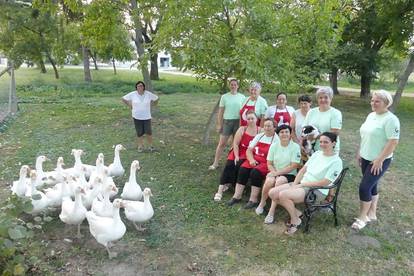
(237, 154)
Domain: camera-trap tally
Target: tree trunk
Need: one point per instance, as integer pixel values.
(211, 118)
(210, 123)
(365, 84)
(154, 67)
(42, 66)
(333, 80)
(93, 56)
(113, 65)
(402, 81)
(86, 68)
(139, 44)
(53, 65)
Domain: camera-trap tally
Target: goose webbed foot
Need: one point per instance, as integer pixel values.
(111, 254)
(139, 227)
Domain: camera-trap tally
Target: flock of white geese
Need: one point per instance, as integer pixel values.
(85, 191)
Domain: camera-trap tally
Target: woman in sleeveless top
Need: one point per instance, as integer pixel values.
(237, 154)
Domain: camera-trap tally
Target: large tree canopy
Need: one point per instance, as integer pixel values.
(284, 43)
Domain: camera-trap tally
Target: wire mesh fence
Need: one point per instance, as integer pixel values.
(8, 99)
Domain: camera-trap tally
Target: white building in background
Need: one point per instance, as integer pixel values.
(3, 61)
(164, 62)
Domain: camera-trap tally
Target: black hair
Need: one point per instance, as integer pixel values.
(234, 80)
(332, 136)
(281, 93)
(139, 82)
(305, 98)
(269, 119)
(282, 127)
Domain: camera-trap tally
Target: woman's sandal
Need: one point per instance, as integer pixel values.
(269, 219)
(287, 222)
(217, 197)
(292, 228)
(358, 224)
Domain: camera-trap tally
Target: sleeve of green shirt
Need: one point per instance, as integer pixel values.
(392, 128)
(261, 106)
(336, 119)
(334, 170)
(271, 152)
(222, 101)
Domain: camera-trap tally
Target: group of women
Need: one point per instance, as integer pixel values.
(267, 153)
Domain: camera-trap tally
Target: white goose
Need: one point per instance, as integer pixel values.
(139, 212)
(56, 176)
(99, 169)
(77, 167)
(107, 229)
(91, 194)
(116, 169)
(57, 193)
(73, 212)
(41, 175)
(39, 200)
(20, 186)
(102, 206)
(132, 190)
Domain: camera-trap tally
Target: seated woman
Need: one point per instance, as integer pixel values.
(283, 160)
(255, 167)
(237, 155)
(321, 169)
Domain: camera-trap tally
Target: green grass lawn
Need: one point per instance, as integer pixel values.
(190, 234)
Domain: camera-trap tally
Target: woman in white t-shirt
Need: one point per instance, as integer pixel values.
(280, 113)
(140, 102)
(296, 122)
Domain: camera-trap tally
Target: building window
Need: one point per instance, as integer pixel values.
(164, 62)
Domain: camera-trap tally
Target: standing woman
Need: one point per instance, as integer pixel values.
(228, 118)
(238, 154)
(140, 102)
(255, 167)
(280, 113)
(253, 102)
(379, 137)
(325, 117)
(296, 122)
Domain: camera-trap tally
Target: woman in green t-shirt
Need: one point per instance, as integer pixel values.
(321, 169)
(324, 117)
(228, 119)
(283, 160)
(379, 137)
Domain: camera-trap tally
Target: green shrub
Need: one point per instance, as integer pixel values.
(15, 236)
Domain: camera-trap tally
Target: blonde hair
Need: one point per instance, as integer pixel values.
(384, 95)
(324, 90)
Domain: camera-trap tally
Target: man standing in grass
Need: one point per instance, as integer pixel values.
(140, 102)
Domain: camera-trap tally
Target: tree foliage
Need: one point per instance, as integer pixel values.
(374, 25)
(269, 41)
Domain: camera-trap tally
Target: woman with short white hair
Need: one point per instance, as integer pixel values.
(253, 102)
(324, 117)
(380, 134)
